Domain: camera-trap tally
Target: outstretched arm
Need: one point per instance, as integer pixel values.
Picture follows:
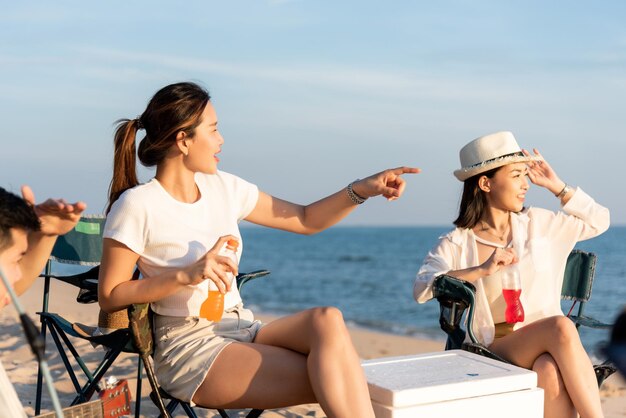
(315, 217)
(57, 217)
(585, 218)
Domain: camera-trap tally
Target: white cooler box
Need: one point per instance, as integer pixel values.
(453, 384)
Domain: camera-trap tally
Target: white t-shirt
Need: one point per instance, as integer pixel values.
(10, 405)
(169, 234)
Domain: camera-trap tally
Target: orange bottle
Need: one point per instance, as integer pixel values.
(213, 307)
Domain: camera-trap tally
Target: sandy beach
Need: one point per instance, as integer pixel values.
(22, 367)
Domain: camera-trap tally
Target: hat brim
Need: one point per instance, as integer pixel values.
(465, 173)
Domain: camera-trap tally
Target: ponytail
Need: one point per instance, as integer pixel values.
(174, 108)
(124, 159)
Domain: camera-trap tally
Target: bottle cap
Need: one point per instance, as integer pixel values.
(232, 243)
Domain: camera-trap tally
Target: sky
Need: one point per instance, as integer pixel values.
(311, 95)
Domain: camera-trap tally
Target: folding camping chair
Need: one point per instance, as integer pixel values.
(81, 246)
(140, 319)
(457, 297)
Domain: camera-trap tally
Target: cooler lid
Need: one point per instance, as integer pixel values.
(442, 376)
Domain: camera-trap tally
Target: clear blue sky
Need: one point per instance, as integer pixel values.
(311, 95)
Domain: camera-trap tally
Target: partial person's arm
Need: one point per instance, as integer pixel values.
(438, 261)
(542, 174)
(116, 290)
(589, 218)
(57, 217)
(445, 256)
(315, 217)
(501, 257)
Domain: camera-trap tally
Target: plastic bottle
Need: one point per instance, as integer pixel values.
(511, 290)
(514, 309)
(213, 307)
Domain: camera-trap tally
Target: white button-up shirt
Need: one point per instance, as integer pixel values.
(543, 240)
(10, 406)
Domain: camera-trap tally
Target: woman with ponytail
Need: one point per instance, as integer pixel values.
(173, 228)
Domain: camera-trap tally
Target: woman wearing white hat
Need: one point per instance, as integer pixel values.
(494, 230)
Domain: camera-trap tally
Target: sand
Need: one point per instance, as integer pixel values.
(22, 367)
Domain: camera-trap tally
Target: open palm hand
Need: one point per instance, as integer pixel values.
(541, 173)
(57, 217)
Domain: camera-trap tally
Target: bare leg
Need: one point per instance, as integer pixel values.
(558, 337)
(557, 401)
(302, 358)
(256, 375)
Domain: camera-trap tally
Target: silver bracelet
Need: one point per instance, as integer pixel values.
(355, 198)
(566, 190)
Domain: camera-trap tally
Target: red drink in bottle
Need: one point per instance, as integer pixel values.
(511, 290)
(512, 286)
(514, 309)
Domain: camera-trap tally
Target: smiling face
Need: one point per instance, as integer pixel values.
(9, 260)
(205, 144)
(506, 190)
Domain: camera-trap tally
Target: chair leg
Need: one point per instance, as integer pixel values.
(255, 413)
(223, 413)
(46, 293)
(66, 362)
(39, 393)
(155, 395)
(85, 392)
(171, 407)
(70, 347)
(138, 392)
(90, 387)
(189, 410)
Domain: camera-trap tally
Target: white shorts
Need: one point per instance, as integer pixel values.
(186, 347)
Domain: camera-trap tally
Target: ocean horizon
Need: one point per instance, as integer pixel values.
(368, 273)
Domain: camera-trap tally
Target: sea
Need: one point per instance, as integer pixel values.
(368, 273)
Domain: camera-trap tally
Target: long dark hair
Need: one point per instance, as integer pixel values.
(473, 201)
(172, 109)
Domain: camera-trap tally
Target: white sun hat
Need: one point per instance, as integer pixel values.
(488, 152)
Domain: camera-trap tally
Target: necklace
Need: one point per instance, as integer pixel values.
(486, 228)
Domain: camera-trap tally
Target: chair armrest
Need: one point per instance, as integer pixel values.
(586, 321)
(86, 280)
(452, 287)
(87, 283)
(481, 350)
(455, 296)
(243, 278)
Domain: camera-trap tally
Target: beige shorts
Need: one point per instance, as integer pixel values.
(186, 347)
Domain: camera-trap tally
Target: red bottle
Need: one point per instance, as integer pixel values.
(213, 307)
(511, 290)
